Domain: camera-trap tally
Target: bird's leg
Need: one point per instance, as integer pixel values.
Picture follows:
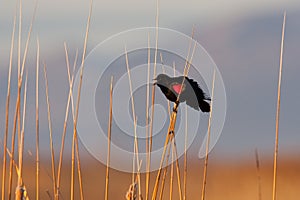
(175, 108)
(173, 118)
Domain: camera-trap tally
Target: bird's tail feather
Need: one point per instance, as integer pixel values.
(204, 106)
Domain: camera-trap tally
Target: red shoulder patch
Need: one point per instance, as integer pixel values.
(178, 88)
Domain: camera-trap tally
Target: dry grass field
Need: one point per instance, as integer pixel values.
(231, 180)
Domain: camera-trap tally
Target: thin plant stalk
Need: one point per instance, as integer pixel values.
(169, 146)
(165, 174)
(50, 133)
(13, 139)
(72, 169)
(208, 139)
(189, 50)
(136, 151)
(28, 39)
(66, 117)
(7, 109)
(258, 174)
(187, 67)
(153, 91)
(20, 190)
(171, 176)
(164, 71)
(17, 104)
(25, 195)
(185, 154)
(169, 136)
(177, 168)
(37, 120)
(109, 138)
(172, 162)
(19, 37)
(138, 163)
(278, 110)
(77, 108)
(147, 123)
(20, 78)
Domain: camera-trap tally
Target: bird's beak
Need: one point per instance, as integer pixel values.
(154, 80)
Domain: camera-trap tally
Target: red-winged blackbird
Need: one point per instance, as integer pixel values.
(189, 90)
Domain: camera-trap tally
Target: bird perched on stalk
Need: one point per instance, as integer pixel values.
(187, 89)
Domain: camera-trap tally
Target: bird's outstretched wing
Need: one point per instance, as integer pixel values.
(194, 96)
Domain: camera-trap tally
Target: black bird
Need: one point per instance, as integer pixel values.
(189, 90)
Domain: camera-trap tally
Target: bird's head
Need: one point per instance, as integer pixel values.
(161, 79)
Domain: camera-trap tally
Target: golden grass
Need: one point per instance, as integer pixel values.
(278, 110)
(50, 133)
(147, 124)
(20, 187)
(185, 154)
(258, 174)
(208, 138)
(7, 109)
(37, 145)
(109, 139)
(70, 99)
(75, 139)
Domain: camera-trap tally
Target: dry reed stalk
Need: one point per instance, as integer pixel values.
(172, 162)
(138, 176)
(77, 108)
(147, 124)
(164, 71)
(169, 146)
(165, 173)
(13, 141)
(136, 147)
(66, 117)
(171, 130)
(7, 109)
(278, 110)
(153, 87)
(28, 39)
(131, 193)
(169, 136)
(20, 78)
(37, 119)
(17, 104)
(189, 50)
(72, 168)
(50, 133)
(20, 74)
(109, 138)
(19, 37)
(171, 176)
(177, 167)
(258, 174)
(208, 139)
(185, 155)
(186, 71)
(20, 188)
(25, 195)
(187, 64)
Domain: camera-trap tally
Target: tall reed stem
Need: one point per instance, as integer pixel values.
(208, 139)
(109, 138)
(278, 110)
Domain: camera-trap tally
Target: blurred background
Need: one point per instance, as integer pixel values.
(242, 37)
